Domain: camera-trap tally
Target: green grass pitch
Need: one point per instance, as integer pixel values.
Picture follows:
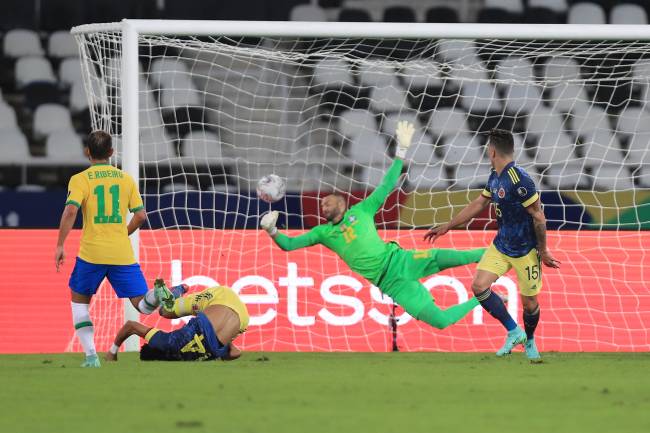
(329, 392)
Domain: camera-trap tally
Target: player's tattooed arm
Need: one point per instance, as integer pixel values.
(539, 224)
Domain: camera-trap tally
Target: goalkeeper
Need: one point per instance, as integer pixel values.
(352, 235)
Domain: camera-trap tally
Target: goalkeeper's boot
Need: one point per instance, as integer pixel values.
(515, 337)
(162, 293)
(531, 351)
(92, 361)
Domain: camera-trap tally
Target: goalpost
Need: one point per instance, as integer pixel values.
(199, 110)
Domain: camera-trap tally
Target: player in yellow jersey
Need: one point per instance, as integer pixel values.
(220, 316)
(105, 195)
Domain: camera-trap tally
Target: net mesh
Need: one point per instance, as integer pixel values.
(217, 113)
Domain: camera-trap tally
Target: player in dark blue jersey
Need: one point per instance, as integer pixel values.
(520, 242)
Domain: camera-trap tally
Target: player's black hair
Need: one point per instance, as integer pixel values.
(99, 144)
(148, 353)
(502, 141)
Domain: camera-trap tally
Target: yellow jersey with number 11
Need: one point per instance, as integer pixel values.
(105, 195)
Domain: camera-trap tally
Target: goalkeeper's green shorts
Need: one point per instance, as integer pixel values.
(406, 267)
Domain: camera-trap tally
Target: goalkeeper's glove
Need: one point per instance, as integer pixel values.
(268, 222)
(404, 135)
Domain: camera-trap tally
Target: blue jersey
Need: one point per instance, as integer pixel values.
(197, 338)
(512, 192)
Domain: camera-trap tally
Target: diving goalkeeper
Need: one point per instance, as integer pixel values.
(352, 235)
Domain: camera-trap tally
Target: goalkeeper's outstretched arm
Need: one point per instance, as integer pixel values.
(403, 135)
(268, 223)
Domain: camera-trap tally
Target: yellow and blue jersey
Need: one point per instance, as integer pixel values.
(105, 195)
(512, 192)
(195, 303)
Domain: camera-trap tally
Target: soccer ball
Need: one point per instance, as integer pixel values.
(271, 188)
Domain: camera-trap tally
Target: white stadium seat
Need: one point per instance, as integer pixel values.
(463, 149)
(386, 99)
(70, 72)
(448, 122)
(586, 13)
(7, 117)
(456, 50)
(628, 14)
(332, 73)
(33, 69)
(14, 148)
(21, 43)
(368, 148)
(307, 12)
(377, 74)
(559, 6)
(201, 145)
(420, 74)
(49, 118)
(61, 44)
(65, 146)
(514, 6)
(355, 122)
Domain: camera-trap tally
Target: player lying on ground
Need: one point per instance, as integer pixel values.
(220, 317)
(352, 235)
(520, 242)
(105, 195)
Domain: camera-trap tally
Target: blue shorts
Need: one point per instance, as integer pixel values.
(127, 280)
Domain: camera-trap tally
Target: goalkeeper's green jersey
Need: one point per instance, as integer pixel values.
(354, 239)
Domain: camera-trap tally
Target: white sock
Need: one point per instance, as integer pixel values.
(83, 327)
(114, 349)
(149, 303)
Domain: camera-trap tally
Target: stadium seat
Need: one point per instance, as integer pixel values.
(448, 122)
(70, 72)
(602, 149)
(79, 97)
(307, 12)
(7, 117)
(376, 74)
(422, 150)
(356, 122)
(463, 149)
(513, 6)
(586, 13)
(456, 50)
(479, 97)
(388, 99)
(354, 16)
(421, 74)
(49, 118)
(553, 148)
(612, 178)
(163, 72)
(14, 148)
(399, 14)
(65, 146)
(516, 80)
(441, 14)
(633, 120)
(543, 120)
(638, 152)
(32, 69)
(587, 123)
(201, 146)
(432, 176)
(471, 176)
(565, 176)
(183, 94)
(642, 176)
(61, 44)
(559, 6)
(368, 148)
(332, 72)
(22, 43)
(628, 14)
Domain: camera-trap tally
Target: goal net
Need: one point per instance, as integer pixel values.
(216, 112)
